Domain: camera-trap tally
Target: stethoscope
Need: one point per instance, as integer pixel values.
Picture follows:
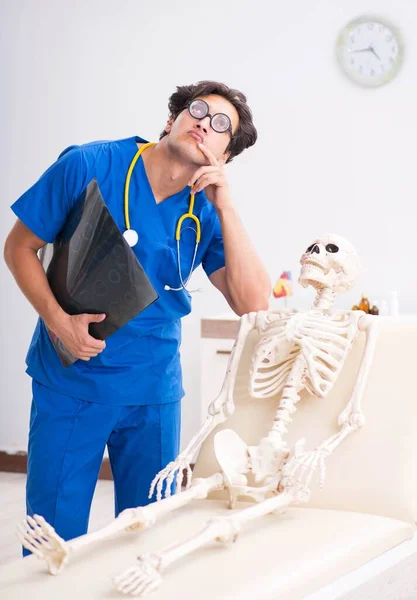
(132, 237)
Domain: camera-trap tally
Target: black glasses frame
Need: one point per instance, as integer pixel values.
(211, 117)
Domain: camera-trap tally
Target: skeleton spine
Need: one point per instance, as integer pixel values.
(324, 299)
(289, 399)
(290, 393)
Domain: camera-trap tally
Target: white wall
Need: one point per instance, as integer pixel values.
(331, 156)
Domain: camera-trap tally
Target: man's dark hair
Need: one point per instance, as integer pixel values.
(245, 135)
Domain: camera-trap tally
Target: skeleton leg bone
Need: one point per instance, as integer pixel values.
(232, 455)
(39, 537)
(141, 579)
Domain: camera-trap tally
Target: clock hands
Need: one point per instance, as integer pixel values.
(369, 49)
(373, 51)
(361, 50)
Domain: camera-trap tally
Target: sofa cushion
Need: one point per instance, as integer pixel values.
(285, 557)
(373, 470)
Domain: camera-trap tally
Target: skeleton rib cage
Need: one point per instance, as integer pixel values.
(323, 341)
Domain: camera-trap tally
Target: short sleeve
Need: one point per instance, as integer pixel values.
(213, 258)
(44, 207)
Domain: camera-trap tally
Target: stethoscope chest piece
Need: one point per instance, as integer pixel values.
(131, 237)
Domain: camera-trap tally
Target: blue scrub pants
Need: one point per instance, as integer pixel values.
(67, 439)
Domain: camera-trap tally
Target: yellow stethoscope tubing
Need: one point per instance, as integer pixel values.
(196, 220)
(188, 215)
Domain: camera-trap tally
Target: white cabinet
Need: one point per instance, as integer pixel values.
(217, 339)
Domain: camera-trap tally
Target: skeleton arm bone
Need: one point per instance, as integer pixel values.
(219, 410)
(350, 419)
(352, 414)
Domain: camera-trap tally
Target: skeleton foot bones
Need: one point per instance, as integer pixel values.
(296, 350)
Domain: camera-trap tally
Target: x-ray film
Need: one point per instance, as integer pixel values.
(94, 270)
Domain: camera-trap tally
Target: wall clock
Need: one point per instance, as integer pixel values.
(370, 50)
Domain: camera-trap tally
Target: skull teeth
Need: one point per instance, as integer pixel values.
(315, 265)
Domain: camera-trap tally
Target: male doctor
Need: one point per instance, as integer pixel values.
(126, 392)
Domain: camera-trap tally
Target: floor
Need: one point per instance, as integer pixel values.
(12, 486)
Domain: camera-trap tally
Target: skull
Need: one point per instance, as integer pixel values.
(329, 262)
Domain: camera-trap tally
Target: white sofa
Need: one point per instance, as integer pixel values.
(353, 541)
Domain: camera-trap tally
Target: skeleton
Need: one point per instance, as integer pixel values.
(297, 350)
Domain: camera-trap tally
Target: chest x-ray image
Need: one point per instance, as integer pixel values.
(92, 269)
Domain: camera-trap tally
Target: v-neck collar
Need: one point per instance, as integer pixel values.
(179, 194)
(153, 209)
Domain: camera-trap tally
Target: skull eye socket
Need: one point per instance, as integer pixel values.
(332, 248)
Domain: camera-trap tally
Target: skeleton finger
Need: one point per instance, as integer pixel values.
(178, 481)
(189, 476)
(153, 586)
(159, 489)
(39, 532)
(124, 576)
(322, 472)
(312, 469)
(136, 585)
(128, 580)
(143, 587)
(152, 488)
(158, 480)
(301, 468)
(27, 542)
(168, 483)
(162, 475)
(45, 526)
(30, 534)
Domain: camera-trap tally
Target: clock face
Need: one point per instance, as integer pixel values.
(370, 51)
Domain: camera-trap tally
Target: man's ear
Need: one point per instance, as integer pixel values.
(168, 126)
(223, 159)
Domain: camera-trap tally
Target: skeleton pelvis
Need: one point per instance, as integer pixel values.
(239, 462)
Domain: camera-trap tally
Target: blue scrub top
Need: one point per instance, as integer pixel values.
(141, 361)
